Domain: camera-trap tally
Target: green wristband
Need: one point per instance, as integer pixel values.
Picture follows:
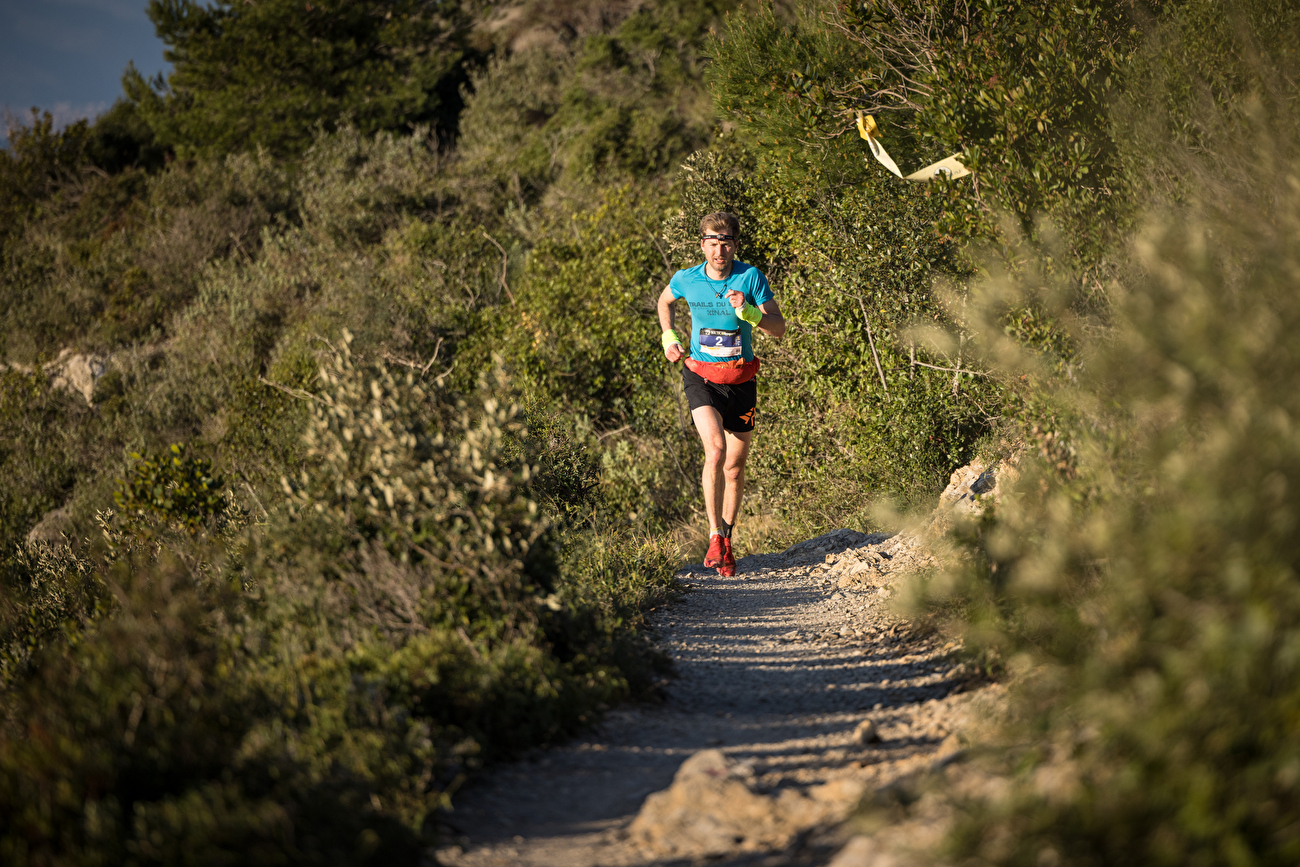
(751, 314)
(669, 338)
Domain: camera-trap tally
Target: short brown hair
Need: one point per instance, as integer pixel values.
(720, 221)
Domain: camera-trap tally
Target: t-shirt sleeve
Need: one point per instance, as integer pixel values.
(676, 284)
(760, 290)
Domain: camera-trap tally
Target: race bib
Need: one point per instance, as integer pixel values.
(720, 342)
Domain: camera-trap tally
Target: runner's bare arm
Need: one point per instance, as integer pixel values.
(675, 351)
(665, 306)
(773, 322)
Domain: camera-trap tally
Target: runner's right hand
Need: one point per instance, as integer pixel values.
(675, 352)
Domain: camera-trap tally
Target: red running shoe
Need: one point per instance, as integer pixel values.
(728, 566)
(713, 559)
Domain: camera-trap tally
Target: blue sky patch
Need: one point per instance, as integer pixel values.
(67, 56)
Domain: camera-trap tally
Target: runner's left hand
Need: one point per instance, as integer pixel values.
(737, 299)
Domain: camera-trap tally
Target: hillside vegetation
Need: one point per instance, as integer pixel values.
(386, 468)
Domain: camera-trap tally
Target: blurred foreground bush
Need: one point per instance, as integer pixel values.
(1144, 594)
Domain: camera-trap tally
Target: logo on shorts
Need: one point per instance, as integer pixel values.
(748, 418)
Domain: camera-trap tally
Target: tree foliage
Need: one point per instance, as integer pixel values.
(269, 73)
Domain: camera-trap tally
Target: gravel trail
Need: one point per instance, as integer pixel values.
(778, 669)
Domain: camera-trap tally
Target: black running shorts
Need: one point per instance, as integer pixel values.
(735, 403)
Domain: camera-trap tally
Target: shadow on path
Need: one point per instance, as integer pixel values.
(752, 680)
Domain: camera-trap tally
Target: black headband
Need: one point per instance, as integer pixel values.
(718, 237)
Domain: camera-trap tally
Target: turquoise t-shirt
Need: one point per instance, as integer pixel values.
(717, 333)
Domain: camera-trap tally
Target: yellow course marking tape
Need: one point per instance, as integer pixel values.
(871, 133)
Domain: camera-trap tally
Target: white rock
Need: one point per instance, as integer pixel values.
(72, 371)
(77, 373)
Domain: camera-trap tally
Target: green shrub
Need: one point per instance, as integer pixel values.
(49, 592)
(174, 489)
(620, 101)
(393, 464)
(40, 449)
(608, 584)
(1021, 88)
(585, 335)
(310, 697)
(41, 162)
(262, 429)
(152, 743)
(109, 259)
(583, 341)
(411, 531)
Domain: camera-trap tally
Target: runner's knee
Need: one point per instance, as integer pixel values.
(715, 454)
(734, 472)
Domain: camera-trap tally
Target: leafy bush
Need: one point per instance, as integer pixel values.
(609, 582)
(154, 742)
(109, 259)
(585, 330)
(411, 528)
(40, 161)
(1021, 88)
(48, 591)
(175, 489)
(39, 434)
(619, 99)
(1152, 613)
(394, 466)
(310, 697)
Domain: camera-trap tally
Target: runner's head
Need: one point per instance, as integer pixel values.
(719, 238)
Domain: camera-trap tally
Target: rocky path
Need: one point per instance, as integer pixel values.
(796, 693)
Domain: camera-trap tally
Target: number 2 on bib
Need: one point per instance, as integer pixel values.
(720, 342)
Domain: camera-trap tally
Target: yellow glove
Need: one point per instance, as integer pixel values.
(750, 314)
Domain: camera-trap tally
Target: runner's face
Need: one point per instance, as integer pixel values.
(717, 253)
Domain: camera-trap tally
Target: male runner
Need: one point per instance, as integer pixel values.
(727, 299)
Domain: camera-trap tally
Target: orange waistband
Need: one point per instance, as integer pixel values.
(724, 372)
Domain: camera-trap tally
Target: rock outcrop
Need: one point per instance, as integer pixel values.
(77, 372)
(712, 809)
(72, 371)
(53, 527)
(971, 489)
